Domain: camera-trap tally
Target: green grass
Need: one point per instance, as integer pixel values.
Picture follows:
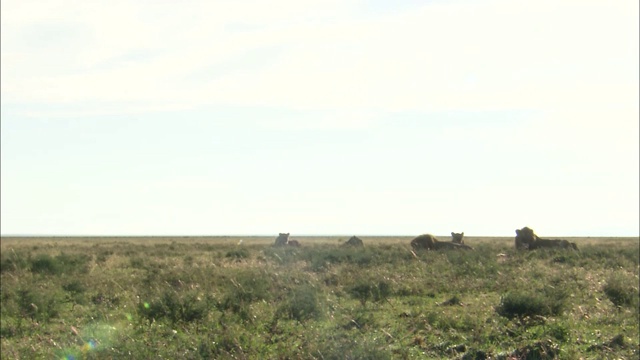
(202, 298)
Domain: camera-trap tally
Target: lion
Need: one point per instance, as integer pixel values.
(282, 239)
(457, 238)
(354, 241)
(425, 241)
(527, 239)
(294, 243)
(429, 242)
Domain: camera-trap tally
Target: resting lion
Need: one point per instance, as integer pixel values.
(429, 242)
(282, 239)
(457, 238)
(354, 241)
(527, 239)
(294, 243)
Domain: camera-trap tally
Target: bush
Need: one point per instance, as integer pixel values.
(103, 256)
(175, 308)
(620, 291)
(522, 304)
(248, 286)
(75, 290)
(74, 262)
(366, 291)
(302, 305)
(63, 263)
(455, 300)
(362, 320)
(100, 298)
(238, 254)
(137, 263)
(12, 262)
(45, 264)
(558, 332)
(282, 255)
(74, 287)
(245, 288)
(37, 306)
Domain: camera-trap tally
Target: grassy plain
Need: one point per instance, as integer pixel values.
(217, 298)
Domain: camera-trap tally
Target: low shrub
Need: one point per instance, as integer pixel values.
(559, 332)
(102, 256)
(362, 319)
(621, 292)
(74, 287)
(38, 306)
(175, 307)
(111, 301)
(282, 255)
(11, 261)
(63, 263)
(137, 262)
(366, 291)
(522, 304)
(45, 264)
(74, 262)
(238, 254)
(242, 290)
(455, 300)
(301, 305)
(75, 292)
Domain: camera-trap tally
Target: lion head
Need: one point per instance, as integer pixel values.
(282, 239)
(525, 237)
(457, 238)
(426, 241)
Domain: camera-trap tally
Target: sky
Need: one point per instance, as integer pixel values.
(319, 117)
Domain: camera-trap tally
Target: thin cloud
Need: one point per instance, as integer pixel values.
(442, 56)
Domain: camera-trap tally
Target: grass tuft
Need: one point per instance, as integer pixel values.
(517, 304)
(620, 290)
(301, 305)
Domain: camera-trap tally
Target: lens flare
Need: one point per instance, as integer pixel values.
(91, 338)
(88, 346)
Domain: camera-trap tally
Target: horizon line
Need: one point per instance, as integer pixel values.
(271, 235)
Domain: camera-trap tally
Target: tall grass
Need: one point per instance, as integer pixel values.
(212, 298)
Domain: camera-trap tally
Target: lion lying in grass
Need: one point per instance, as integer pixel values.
(429, 242)
(282, 239)
(457, 238)
(527, 239)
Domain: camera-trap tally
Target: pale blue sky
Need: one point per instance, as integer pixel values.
(319, 117)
